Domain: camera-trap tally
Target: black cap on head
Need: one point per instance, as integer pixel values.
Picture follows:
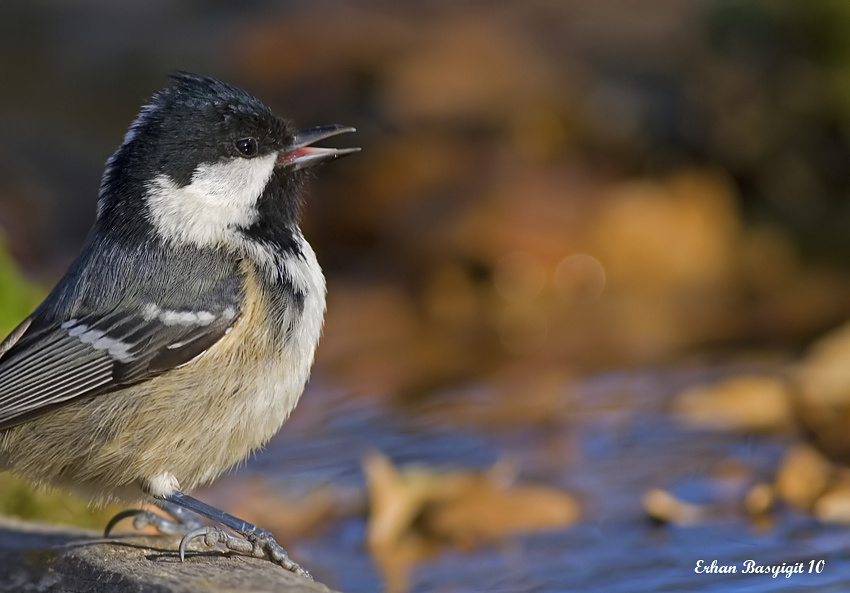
(207, 163)
(197, 120)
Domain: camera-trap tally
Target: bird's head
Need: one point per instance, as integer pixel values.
(207, 164)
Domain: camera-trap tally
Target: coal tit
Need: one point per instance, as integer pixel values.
(181, 338)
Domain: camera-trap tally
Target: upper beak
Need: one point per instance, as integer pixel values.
(301, 154)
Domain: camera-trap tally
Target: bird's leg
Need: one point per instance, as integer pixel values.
(182, 521)
(250, 540)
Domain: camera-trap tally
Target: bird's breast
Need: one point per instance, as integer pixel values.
(233, 398)
(271, 349)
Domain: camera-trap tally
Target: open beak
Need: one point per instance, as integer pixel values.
(301, 154)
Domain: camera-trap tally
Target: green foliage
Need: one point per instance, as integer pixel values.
(20, 499)
(18, 297)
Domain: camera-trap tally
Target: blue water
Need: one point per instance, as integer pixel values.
(618, 442)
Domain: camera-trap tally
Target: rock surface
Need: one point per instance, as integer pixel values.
(41, 558)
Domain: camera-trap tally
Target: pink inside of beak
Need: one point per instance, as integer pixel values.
(294, 155)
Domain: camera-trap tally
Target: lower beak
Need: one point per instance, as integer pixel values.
(301, 154)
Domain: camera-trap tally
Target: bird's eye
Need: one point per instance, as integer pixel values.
(247, 147)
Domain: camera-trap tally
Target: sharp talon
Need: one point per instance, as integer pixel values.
(200, 531)
(258, 545)
(181, 522)
(246, 538)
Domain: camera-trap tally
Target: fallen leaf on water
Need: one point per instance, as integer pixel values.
(395, 499)
(415, 510)
(741, 403)
(664, 506)
(834, 505)
(460, 507)
(760, 499)
(824, 386)
(824, 374)
(485, 512)
(396, 560)
(803, 477)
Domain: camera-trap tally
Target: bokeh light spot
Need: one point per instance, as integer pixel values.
(580, 278)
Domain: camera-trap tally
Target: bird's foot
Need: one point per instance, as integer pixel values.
(256, 542)
(181, 522)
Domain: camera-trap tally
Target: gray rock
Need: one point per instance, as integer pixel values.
(37, 558)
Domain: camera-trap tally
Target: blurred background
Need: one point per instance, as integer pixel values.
(587, 278)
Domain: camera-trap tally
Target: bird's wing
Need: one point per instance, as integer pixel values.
(46, 363)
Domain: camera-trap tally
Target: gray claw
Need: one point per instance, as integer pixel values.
(259, 545)
(181, 523)
(188, 537)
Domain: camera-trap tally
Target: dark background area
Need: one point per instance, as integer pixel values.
(558, 204)
(476, 118)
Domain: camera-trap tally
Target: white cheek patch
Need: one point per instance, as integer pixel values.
(220, 197)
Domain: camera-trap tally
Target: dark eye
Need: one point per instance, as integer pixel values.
(247, 147)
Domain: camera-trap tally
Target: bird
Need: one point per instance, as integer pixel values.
(181, 338)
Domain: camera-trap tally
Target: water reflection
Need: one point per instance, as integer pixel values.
(612, 441)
